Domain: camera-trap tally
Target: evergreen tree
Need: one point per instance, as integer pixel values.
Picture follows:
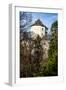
(51, 68)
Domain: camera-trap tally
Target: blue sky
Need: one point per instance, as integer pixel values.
(46, 18)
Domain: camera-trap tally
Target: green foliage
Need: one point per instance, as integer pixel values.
(51, 68)
(32, 66)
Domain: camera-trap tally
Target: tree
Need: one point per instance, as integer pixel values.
(51, 68)
(38, 53)
(25, 21)
(25, 64)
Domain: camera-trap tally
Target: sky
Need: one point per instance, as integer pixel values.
(46, 18)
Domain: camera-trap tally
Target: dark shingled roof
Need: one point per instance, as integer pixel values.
(39, 23)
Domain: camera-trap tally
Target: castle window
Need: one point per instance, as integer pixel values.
(42, 29)
(42, 34)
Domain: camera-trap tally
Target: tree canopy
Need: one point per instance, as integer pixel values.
(51, 68)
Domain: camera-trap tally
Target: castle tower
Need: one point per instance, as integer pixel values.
(38, 28)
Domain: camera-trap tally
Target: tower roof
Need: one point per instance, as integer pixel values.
(39, 23)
